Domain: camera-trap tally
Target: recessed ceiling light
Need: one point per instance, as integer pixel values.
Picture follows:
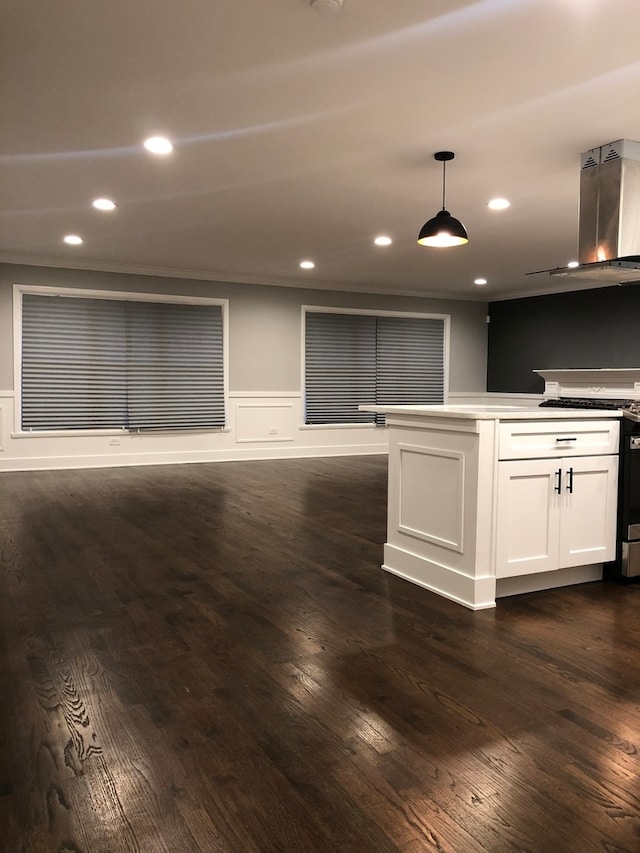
(158, 145)
(498, 204)
(383, 240)
(104, 204)
(573, 264)
(73, 239)
(307, 265)
(479, 281)
(327, 5)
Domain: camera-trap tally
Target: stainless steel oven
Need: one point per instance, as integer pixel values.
(628, 557)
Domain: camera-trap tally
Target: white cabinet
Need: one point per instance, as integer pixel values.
(559, 511)
(496, 501)
(542, 439)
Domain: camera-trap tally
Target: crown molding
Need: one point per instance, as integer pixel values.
(230, 278)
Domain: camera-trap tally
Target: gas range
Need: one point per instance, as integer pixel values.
(630, 408)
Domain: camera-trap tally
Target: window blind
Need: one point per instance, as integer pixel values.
(340, 367)
(73, 363)
(352, 359)
(409, 361)
(175, 376)
(90, 363)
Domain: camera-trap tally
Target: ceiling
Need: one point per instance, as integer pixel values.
(304, 134)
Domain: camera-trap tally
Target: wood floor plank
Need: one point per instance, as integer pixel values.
(209, 659)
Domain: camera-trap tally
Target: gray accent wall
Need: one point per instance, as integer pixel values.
(587, 328)
(264, 323)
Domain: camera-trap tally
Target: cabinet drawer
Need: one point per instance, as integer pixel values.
(537, 439)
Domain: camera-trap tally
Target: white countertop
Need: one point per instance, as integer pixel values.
(478, 411)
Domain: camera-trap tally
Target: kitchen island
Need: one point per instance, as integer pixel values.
(486, 501)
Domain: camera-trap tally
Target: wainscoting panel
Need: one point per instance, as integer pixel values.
(252, 418)
(265, 421)
(4, 420)
(261, 425)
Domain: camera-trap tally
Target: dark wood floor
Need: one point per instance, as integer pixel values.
(209, 658)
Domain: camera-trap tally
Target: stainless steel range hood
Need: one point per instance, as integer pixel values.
(609, 216)
(619, 271)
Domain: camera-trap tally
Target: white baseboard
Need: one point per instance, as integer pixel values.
(548, 580)
(475, 593)
(59, 463)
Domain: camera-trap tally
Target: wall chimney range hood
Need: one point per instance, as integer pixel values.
(616, 271)
(609, 216)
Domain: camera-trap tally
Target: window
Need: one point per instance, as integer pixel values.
(357, 358)
(90, 362)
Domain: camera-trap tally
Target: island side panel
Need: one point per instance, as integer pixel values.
(440, 527)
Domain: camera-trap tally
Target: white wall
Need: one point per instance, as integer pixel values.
(265, 399)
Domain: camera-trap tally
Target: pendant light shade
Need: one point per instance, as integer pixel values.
(443, 229)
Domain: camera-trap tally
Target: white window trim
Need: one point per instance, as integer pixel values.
(372, 312)
(121, 295)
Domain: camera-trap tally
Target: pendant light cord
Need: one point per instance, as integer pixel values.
(444, 170)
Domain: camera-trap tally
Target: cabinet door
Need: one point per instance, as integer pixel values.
(589, 497)
(528, 524)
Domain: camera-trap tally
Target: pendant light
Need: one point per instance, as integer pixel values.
(444, 229)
